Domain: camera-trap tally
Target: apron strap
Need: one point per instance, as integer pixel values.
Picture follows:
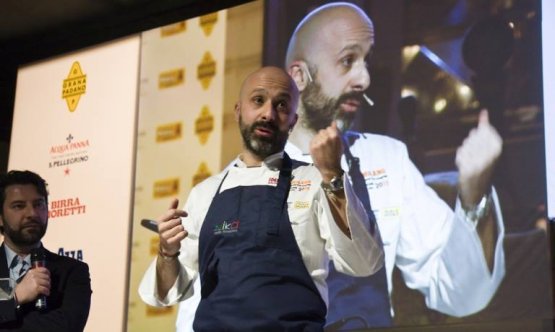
(276, 203)
(358, 181)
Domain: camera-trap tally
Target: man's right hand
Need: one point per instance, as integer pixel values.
(36, 282)
(171, 230)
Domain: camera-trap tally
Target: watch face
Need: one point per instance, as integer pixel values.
(336, 184)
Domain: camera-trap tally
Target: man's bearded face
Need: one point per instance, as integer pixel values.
(320, 110)
(26, 234)
(263, 146)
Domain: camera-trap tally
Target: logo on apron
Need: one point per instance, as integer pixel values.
(226, 227)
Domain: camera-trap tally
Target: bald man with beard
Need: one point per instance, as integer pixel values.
(260, 234)
(454, 258)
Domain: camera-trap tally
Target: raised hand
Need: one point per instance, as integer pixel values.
(171, 230)
(476, 159)
(326, 148)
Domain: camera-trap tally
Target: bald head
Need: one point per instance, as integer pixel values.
(271, 78)
(328, 59)
(331, 20)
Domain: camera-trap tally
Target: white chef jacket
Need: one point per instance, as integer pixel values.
(318, 237)
(437, 250)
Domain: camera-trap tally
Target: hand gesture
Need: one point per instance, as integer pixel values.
(171, 230)
(475, 160)
(326, 148)
(36, 282)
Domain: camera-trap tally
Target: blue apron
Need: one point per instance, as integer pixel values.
(252, 274)
(357, 302)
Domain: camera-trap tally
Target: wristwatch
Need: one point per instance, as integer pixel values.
(335, 184)
(480, 210)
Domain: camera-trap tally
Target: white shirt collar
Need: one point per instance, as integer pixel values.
(10, 254)
(272, 162)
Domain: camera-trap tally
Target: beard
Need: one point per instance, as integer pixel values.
(320, 110)
(263, 147)
(28, 234)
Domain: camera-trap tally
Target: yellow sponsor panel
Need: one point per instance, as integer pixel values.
(204, 125)
(165, 188)
(168, 132)
(154, 245)
(206, 70)
(171, 78)
(202, 173)
(158, 311)
(74, 86)
(172, 29)
(207, 22)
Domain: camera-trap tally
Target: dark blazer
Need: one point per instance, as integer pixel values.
(67, 306)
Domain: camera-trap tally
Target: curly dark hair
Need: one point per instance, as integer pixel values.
(21, 177)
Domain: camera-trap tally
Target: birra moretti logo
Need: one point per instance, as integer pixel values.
(74, 86)
(66, 207)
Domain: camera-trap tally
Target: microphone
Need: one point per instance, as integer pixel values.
(38, 259)
(368, 100)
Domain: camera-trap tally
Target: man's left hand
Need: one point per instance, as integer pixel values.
(476, 159)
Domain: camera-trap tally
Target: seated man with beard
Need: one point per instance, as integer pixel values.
(260, 234)
(63, 284)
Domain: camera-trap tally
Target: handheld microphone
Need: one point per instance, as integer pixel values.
(150, 224)
(38, 259)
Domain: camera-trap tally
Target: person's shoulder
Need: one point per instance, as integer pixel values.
(373, 138)
(305, 171)
(210, 182)
(298, 163)
(377, 140)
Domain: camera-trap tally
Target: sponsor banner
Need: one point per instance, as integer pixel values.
(179, 136)
(158, 311)
(204, 125)
(74, 124)
(171, 78)
(201, 174)
(166, 188)
(169, 132)
(207, 23)
(66, 207)
(73, 253)
(206, 70)
(74, 86)
(69, 151)
(172, 29)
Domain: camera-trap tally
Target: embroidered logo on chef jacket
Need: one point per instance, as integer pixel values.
(273, 181)
(226, 227)
(376, 179)
(390, 212)
(301, 205)
(300, 185)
